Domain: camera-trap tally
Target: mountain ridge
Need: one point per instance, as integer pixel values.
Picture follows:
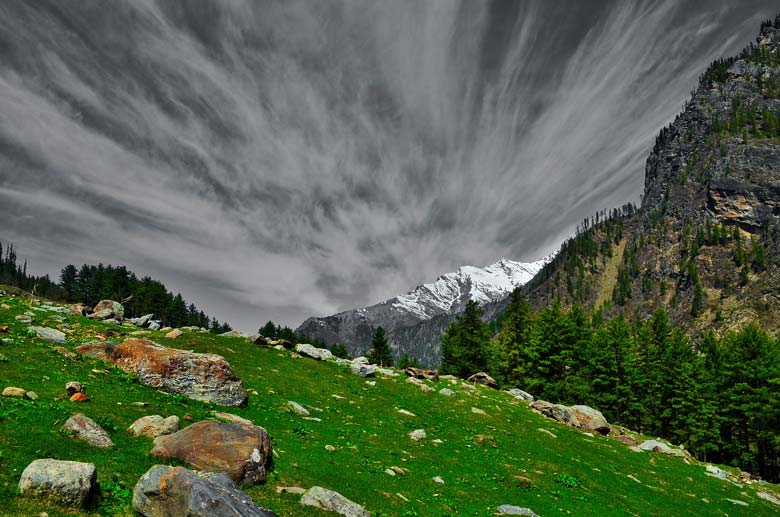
(415, 320)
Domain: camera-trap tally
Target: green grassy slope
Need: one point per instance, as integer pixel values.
(502, 457)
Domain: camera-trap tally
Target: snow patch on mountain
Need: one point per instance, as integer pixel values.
(452, 290)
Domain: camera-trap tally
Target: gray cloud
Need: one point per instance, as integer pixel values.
(275, 160)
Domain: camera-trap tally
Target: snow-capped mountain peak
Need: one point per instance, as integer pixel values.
(452, 290)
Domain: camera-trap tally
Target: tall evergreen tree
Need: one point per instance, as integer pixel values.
(68, 278)
(380, 349)
(465, 344)
(513, 356)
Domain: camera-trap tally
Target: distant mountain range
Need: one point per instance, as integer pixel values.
(415, 321)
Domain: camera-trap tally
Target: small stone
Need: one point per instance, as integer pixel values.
(545, 431)
(290, 490)
(330, 448)
(79, 397)
(477, 411)
(633, 478)
(405, 412)
(87, 430)
(297, 408)
(438, 479)
(371, 383)
(508, 509)
(12, 391)
(139, 404)
(626, 440)
(484, 379)
(768, 497)
(74, 387)
(31, 395)
(737, 502)
(173, 334)
(447, 392)
(5, 307)
(390, 472)
(417, 434)
(520, 394)
(329, 500)
(364, 370)
(23, 318)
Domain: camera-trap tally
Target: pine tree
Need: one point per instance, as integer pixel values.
(380, 353)
(512, 359)
(68, 280)
(465, 343)
(269, 330)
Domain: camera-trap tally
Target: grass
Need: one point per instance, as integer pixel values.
(502, 457)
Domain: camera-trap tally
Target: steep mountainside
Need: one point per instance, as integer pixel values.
(704, 244)
(416, 320)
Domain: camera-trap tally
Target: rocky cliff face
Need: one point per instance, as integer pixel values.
(704, 242)
(416, 320)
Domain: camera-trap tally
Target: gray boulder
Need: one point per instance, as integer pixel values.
(320, 354)
(106, 309)
(520, 394)
(86, 429)
(143, 321)
(364, 370)
(153, 426)
(176, 491)
(590, 419)
(331, 501)
(51, 335)
(67, 483)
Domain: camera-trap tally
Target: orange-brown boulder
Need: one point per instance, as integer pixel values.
(206, 377)
(241, 451)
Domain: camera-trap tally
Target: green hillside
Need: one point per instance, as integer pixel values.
(509, 455)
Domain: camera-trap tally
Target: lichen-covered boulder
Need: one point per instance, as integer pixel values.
(176, 491)
(590, 419)
(87, 430)
(107, 309)
(243, 452)
(307, 350)
(484, 379)
(205, 377)
(331, 501)
(67, 483)
(153, 426)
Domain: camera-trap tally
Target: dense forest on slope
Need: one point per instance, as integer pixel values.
(89, 284)
(719, 399)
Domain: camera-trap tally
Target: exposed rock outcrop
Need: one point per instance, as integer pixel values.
(67, 483)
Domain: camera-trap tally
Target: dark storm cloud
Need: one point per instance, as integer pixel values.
(285, 159)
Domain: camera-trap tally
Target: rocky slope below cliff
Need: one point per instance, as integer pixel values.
(416, 320)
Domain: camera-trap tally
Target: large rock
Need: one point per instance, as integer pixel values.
(243, 452)
(86, 429)
(484, 379)
(559, 412)
(142, 321)
(153, 426)
(591, 419)
(331, 501)
(106, 309)
(321, 354)
(51, 335)
(67, 483)
(206, 377)
(178, 492)
(364, 370)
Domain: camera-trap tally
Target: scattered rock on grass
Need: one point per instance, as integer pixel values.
(153, 426)
(307, 350)
(364, 370)
(331, 501)
(522, 395)
(484, 379)
(590, 419)
(64, 352)
(87, 430)
(233, 419)
(768, 497)
(51, 335)
(447, 392)
(79, 397)
(173, 334)
(290, 490)
(24, 318)
(508, 509)
(417, 434)
(439, 480)
(242, 452)
(107, 309)
(73, 387)
(297, 408)
(477, 411)
(165, 490)
(67, 483)
(13, 391)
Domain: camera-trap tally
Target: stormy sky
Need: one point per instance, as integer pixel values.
(283, 159)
